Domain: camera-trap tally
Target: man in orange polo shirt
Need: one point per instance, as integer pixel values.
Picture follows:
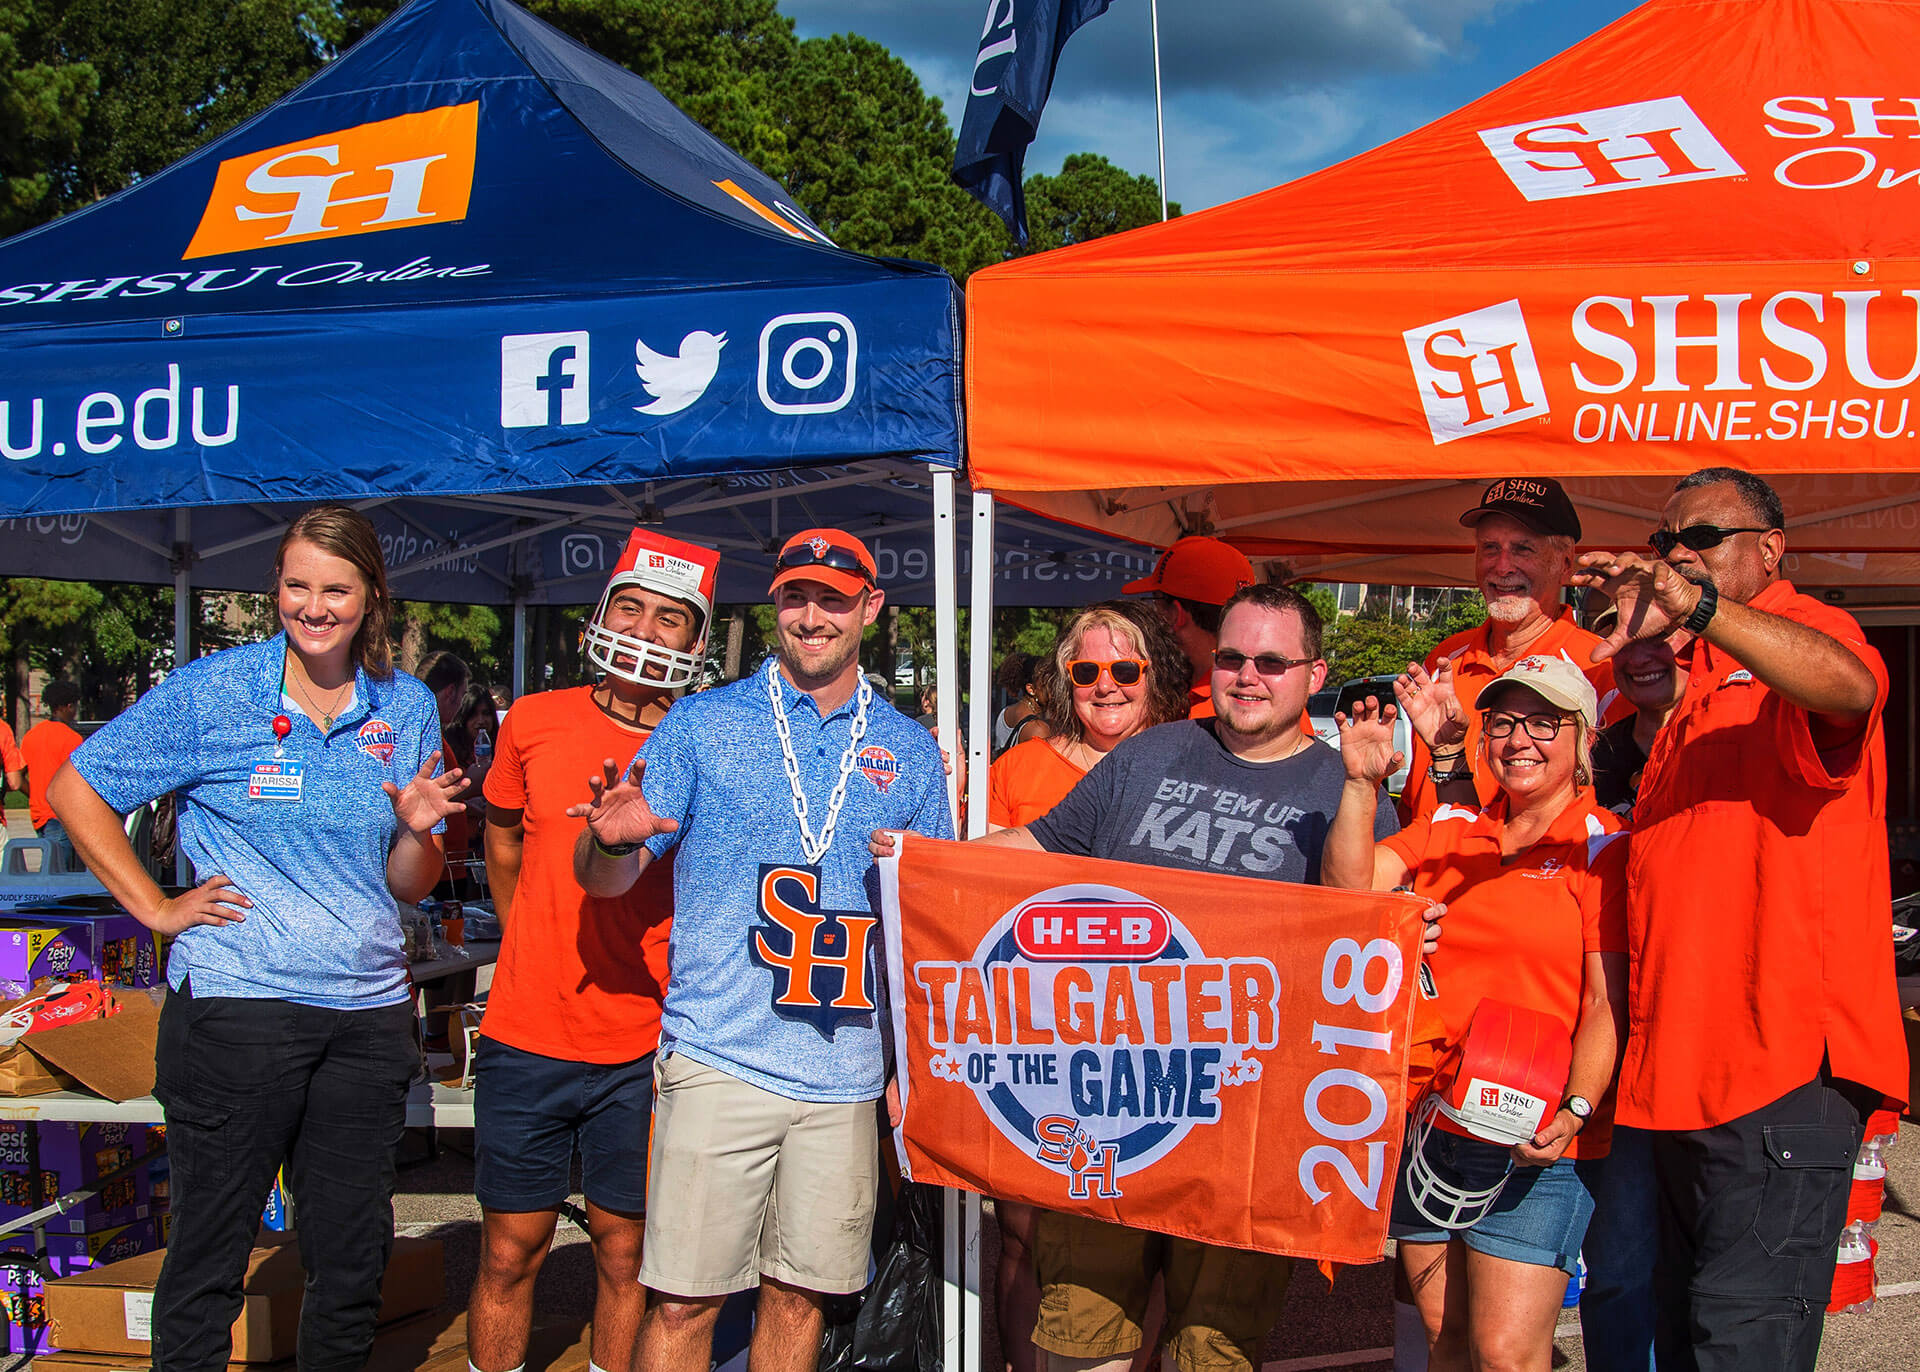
(1763, 1021)
(1190, 582)
(1524, 534)
(12, 765)
(47, 745)
(565, 1059)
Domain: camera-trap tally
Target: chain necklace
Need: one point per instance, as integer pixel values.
(815, 849)
(326, 720)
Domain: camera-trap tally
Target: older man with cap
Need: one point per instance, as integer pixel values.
(1524, 534)
(1765, 1024)
(1190, 582)
(765, 1164)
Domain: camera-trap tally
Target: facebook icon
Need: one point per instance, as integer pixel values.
(543, 379)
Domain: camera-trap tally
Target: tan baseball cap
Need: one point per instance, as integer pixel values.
(1555, 680)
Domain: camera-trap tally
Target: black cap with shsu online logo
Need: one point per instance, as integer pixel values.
(1536, 501)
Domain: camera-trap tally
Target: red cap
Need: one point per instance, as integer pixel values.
(811, 555)
(1204, 570)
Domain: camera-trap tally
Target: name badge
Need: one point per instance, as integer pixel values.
(279, 780)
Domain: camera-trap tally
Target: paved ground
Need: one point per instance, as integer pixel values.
(1347, 1327)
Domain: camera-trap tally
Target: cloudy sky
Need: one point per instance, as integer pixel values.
(1258, 92)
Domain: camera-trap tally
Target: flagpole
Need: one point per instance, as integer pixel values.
(1159, 119)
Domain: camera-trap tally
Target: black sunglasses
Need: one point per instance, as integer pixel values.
(840, 559)
(1125, 671)
(1697, 537)
(1267, 664)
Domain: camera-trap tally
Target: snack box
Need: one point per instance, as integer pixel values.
(71, 945)
(43, 1160)
(23, 1306)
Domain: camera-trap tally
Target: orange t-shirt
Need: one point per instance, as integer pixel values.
(1758, 923)
(1026, 781)
(1520, 931)
(579, 978)
(45, 747)
(10, 758)
(1473, 667)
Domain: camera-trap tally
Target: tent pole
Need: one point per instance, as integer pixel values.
(519, 645)
(980, 665)
(979, 757)
(182, 648)
(1159, 119)
(956, 1301)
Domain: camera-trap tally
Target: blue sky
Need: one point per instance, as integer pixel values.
(1258, 92)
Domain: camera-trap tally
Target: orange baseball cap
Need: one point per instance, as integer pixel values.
(1204, 570)
(828, 556)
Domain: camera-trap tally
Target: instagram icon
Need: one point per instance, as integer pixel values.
(808, 363)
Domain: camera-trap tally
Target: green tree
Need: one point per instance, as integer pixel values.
(1090, 198)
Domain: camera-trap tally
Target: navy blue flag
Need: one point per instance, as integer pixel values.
(1012, 77)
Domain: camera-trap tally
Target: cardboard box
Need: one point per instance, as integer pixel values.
(70, 1156)
(23, 1305)
(110, 1057)
(434, 1342)
(106, 1310)
(69, 944)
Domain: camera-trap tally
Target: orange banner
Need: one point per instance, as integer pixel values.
(1216, 1057)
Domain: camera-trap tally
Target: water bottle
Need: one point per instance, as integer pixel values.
(1576, 1284)
(1853, 1273)
(482, 746)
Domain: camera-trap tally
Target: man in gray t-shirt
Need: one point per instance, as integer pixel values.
(1246, 793)
(1181, 796)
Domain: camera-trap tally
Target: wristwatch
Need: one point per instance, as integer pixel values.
(617, 850)
(1579, 1107)
(1703, 609)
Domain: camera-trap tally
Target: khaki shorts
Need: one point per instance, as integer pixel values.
(1095, 1277)
(743, 1183)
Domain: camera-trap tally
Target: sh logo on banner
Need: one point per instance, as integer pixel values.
(1476, 371)
(808, 363)
(543, 379)
(1625, 147)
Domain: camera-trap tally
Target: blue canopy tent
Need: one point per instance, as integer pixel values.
(497, 291)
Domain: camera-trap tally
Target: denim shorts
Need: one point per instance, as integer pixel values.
(531, 1112)
(1540, 1216)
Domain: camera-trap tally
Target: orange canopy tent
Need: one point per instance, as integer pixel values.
(1692, 240)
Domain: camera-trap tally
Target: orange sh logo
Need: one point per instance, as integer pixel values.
(392, 174)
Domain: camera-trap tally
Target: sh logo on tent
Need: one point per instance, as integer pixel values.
(1621, 148)
(1476, 372)
(391, 174)
(675, 382)
(808, 363)
(543, 379)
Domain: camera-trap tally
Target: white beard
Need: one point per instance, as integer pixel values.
(1510, 609)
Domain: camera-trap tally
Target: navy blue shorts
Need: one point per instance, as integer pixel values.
(530, 1113)
(1540, 1216)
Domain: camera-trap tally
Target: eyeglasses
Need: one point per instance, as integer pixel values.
(840, 559)
(1122, 671)
(1540, 728)
(1696, 537)
(1231, 660)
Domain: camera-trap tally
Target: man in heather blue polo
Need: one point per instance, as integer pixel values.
(764, 1163)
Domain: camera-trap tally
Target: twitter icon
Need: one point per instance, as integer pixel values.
(675, 382)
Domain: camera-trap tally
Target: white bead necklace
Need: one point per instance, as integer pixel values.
(815, 849)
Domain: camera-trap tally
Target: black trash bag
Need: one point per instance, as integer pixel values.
(893, 1325)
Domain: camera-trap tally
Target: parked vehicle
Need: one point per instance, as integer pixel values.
(1358, 689)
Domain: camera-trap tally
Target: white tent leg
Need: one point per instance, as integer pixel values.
(519, 646)
(182, 648)
(979, 745)
(955, 1326)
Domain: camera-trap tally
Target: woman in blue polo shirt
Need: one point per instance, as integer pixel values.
(311, 809)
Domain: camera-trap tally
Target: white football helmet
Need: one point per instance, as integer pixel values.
(1500, 1084)
(668, 567)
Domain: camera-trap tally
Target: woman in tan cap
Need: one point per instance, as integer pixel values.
(1535, 885)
